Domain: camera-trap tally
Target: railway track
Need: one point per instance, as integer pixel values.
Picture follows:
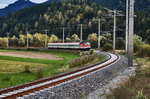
(26, 89)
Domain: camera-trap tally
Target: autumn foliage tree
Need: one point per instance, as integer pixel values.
(75, 38)
(92, 38)
(53, 39)
(22, 40)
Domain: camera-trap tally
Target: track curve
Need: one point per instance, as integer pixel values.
(52, 81)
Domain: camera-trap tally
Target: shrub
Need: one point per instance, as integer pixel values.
(62, 70)
(7, 78)
(140, 95)
(81, 53)
(91, 52)
(137, 43)
(39, 73)
(81, 61)
(107, 47)
(11, 80)
(3, 42)
(145, 51)
(27, 69)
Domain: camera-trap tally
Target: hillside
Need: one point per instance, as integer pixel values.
(120, 4)
(54, 15)
(51, 16)
(112, 4)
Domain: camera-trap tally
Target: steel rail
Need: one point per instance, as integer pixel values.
(52, 78)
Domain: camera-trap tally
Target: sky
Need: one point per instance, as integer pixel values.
(4, 3)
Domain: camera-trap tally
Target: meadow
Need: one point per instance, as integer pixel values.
(12, 68)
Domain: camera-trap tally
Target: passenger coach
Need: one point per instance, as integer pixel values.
(72, 46)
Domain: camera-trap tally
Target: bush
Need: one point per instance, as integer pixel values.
(7, 78)
(107, 47)
(140, 95)
(145, 51)
(11, 80)
(3, 42)
(137, 43)
(27, 69)
(62, 70)
(39, 73)
(91, 52)
(81, 61)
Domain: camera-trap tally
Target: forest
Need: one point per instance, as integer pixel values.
(55, 15)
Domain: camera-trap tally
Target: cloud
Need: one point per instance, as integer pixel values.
(3, 6)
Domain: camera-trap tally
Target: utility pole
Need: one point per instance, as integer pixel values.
(81, 31)
(63, 33)
(46, 37)
(114, 33)
(99, 31)
(131, 32)
(116, 13)
(127, 26)
(27, 40)
(7, 39)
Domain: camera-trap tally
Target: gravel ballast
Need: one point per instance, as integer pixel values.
(87, 85)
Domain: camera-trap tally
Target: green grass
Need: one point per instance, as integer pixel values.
(49, 66)
(7, 66)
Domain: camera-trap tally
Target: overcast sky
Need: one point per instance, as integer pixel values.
(4, 3)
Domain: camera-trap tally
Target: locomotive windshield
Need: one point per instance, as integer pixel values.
(87, 43)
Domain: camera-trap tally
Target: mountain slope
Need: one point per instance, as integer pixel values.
(120, 4)
(54, 16)
(20, 4)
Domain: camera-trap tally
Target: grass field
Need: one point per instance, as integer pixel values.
(12, 68)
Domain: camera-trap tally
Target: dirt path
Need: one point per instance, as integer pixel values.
(31, 55)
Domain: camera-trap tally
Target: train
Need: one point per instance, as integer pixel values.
(70, 46)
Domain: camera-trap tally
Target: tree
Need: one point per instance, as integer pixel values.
(16, 29)
(92, 38)
(36, 24)
(4, 26)
(44, 36)
(120, 43)
(137, 42)
(107, 47)
(53, 39)
(13, 41)
(46, 17)
(22, 40)
(3, 42)
(68, 39)
(30, 38)
(148, 36)
(104, 40)
(62, 1)
(37, 39)
(75, 38)
(99, 13)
